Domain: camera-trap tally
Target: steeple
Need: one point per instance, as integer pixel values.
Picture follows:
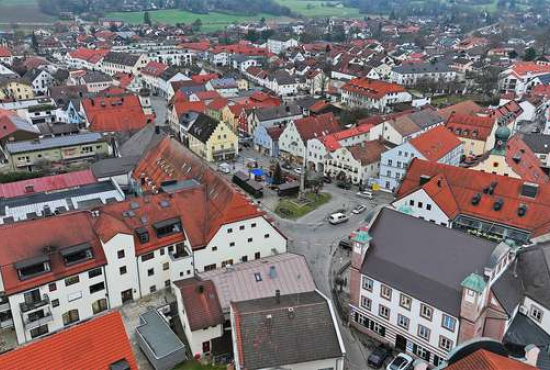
(502, 134)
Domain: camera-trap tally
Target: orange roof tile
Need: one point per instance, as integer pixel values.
(375, 89)
(114, 114)
(435, 143)
(464, 107)
(92, 345)
(471, 126)
(485, 360)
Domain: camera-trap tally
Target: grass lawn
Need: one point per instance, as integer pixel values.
(194, 365)
(210, 22)
(453, 99)
(316, 8)
(287, 208)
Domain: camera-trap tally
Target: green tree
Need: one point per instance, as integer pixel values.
(196, 26)
(530, 54)
(147, 18)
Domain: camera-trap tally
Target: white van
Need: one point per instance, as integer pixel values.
(337, 218)
(364, 194)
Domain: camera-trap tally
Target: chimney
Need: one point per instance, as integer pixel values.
(200, 289)
(531, 355)
(278, 296)
(157, 130)
(92, 101)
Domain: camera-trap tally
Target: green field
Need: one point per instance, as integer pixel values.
(210, 22)
(217, 21)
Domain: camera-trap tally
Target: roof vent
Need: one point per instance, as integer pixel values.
(165, 203)
(476, 199)
(291, 313)
(29, 189)
(498, 204)
(522, 210)
(134, 205)
(200, 289)
(424, 179)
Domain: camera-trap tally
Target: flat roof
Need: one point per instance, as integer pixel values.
(157, 334)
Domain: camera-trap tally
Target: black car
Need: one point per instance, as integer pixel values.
(343, 185)
(344, 243)
(327, 179)
(378, 357)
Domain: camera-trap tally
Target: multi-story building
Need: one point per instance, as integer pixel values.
(89, 59)
(212, 140)
(63, 269)
(115, 62)
(355, 164)
(277, 45)
(419, 288)
(26, 155)
(15, 88)
(480, 203)
(165, 52)
(438, 145)
(518, 77)
(411, 74)
(365, 93)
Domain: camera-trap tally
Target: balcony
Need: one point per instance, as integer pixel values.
(28, 306)
(4, 306)
(34, 323)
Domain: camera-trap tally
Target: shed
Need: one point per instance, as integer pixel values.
(161, 346)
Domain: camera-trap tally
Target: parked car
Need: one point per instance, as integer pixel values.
(359, 209)
(343, 185)
(401, 362)
(286, 166)
(224, 168)
(327, 179)
(378, 357)
(298, 170)
(337, 218)
(364, 194)
(344, 243)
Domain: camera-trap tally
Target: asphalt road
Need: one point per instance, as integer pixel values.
(314, 238)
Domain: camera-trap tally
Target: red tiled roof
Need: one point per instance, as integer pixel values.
(521, 159)
(542, 91)
(48, 183)
(471, 126)
(27, 239)
(199, 46)
(90, 55)
(521, 69)
(114, 114)
(435, 143)
(317, 126)
(5, 52)
(218, 104)
(202, 79)
(464, 107)
(201, 303)
(485, 360)
(464, 183)
(375, 89)
(215, 203)
(369, 152)
(154, 69)
(207, 95)
(92, 345)
(183, 107)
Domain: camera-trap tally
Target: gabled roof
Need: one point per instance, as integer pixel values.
(200, 302)
(398, 259)
(114, 114)
(307, 333)
(287, 272)
(465, 183)
(203, 127)
(374, 89)
(154, 69)
(436, 143)
(521, 159)
(10, 123)
(471, 126)
(486, 360)
(317, 126)
(367, 153)
(92, 345)
(464, 107)
(125, 59)
(29, 239)
(215, 203)
(48, 183)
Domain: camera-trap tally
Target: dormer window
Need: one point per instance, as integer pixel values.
(167, 227)
(77, 253)
(142, 234)
(32, 267)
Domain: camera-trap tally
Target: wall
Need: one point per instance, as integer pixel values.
(420, 197)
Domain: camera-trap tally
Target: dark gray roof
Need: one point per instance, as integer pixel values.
(283, 78)
(140, 142)
(425, 118)
(523, 332)
(114, 166)
(53, 142)
(307, 333)
(412, 68)
(424, 260)
(528, 276)
(538, 143)
(203, 127)
(159, 337)
(287, 110)
(121, 58)
(96, 76)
